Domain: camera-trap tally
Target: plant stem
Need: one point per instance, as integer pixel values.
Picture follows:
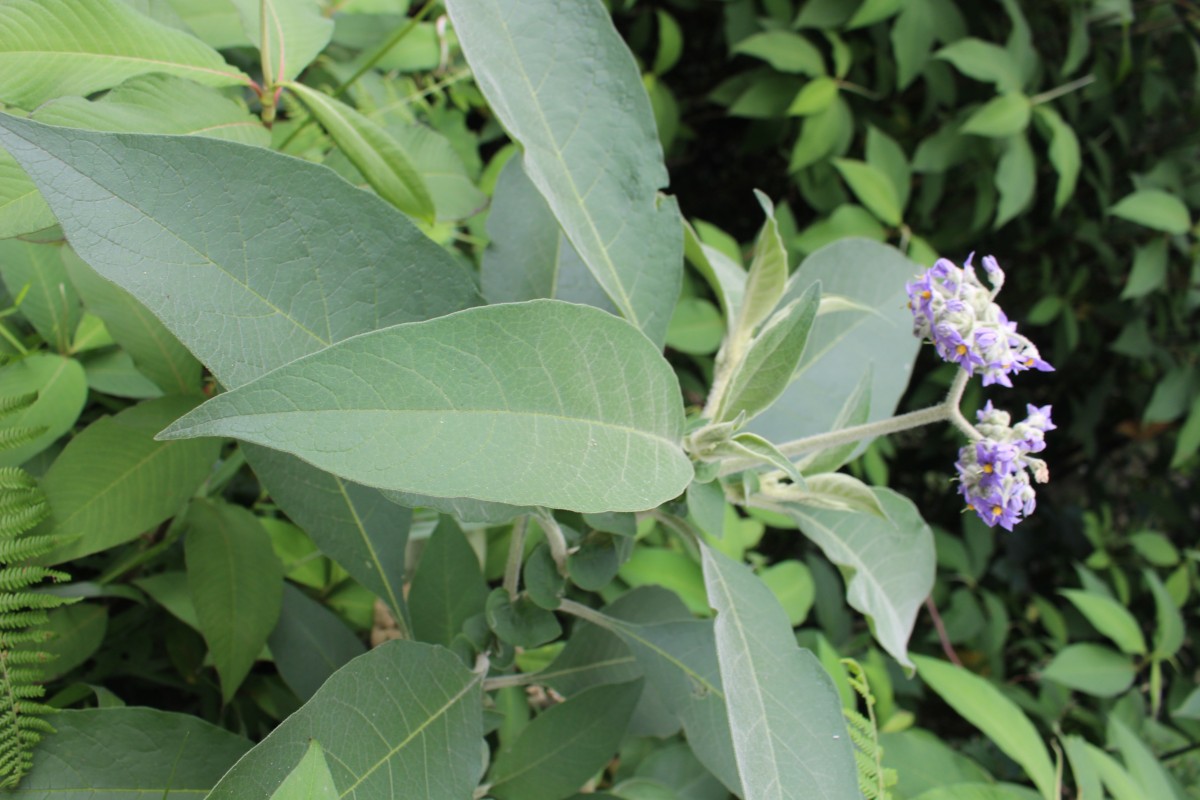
(554, 538)
(585, 613)
(1059, 91)
(516, 553)
(947, 648)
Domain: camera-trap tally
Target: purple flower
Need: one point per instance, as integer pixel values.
(994, 472)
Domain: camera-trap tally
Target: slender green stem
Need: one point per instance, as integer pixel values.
(1059, 91)
(516, 553)
(8, 337)
(681, 528)
(555, 538)
(586, 614)
(511, 681)
(224, 474)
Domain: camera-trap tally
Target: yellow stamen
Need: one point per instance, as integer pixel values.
(996, 511)
(987, 468)
(961, 349)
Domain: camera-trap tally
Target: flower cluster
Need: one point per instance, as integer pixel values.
(953, 308)
(994, 472)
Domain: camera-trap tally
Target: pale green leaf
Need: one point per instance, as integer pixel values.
(1169, 628)
(587, 130)
(289, 33)
(785, 51)
(885, 154)
(375, 152)
(236, 584)
(1016, 179)
(793, 586)
(979, 791)
(670, 43)
(159, 104)
(837, 491)
(814, 97)
(1155, 209)
(854, 412)
(888, 562)
(784, 713)
(1083, 771)
(528, 255)
(53, 48)
(261, 207)
(1006, 115)
(822, 135)
(354, 525)
(767, 368)
(403, 715)
(1117, 781)
(725, 276)
(1110, 618)
(310, 780)
(540, 403)
(984, 61)
(872, 11)
(872, 188)
(984, 706)
(113, 481)
(1092, 668)
(766, 278)
(912, 38)
(310, 643)
(61, 386)
(114, 373)
(759, 450)
(1189, 437)
(153, 348)
(455, 195)
(1149, 271)
(696, 327)
(448, 586)
(565, 745)
(50, 301)
(1142, 763)
(1063, 152)
(129, 753)
(22, 209)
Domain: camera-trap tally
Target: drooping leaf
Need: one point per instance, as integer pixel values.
(528, 255)
(113, 481)
(403, 715)
(578, 398)
(121, 753)
(353, 524)
(50, 303)
(290, 34)
(985, 707)
(565, 86)
(344, 248)
(784, 712)
(1063, 151)
(565, 745)
(448, 586)
(236, 585)
(1109, 617)
(310, 643)
(61, 387)
(375, 152)
(888, 562)
(53, 48)
(1016, 179)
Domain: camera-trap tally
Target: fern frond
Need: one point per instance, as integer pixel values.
(13, 403)
(19, 435)
(14, 578)
(874, 780)
(16, 478)
(14, 523)
(26, 547)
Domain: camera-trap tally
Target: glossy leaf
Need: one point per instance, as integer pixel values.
(120, 753)
(588, 135)
(888, 562)
(448, 586)
(345, 249)
(537, 384)
(982, 704)
(236, 585)
(310, 643)
(113, 481)
(50, 301)
(405, 714)
(375, 152)
(310, 780)
(61, 387)
(784, 713)
(51, 48)
(290, 34)
(1155, 209)
(565, 745)
(1091, 668)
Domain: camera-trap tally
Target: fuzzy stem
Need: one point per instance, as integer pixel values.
(516, 553)
(554, 538)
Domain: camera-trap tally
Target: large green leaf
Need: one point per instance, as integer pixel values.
(565, 86)
(1154, 209)
(888, 561)
(567, 744)
(236, 584)
(129, 754)
(404, 720)
(448, 586)
(50, 302)
(53, 48)
(844, 345)
(354, 264)
(22, 209)
(61, 387)
(114, 482)
(310, 643)
(289, 33)
(352, 524)
(784, 712)
(310, 780)
(153, 348)
(542, 403)
(983, 705)
(528, 255)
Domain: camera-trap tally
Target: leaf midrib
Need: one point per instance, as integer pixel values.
(83, 54)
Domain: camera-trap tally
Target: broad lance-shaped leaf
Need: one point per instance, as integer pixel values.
(403, 720)
(55, 48)
(767, 276)
(784, 712)
(354, 264)
(888, 561)
(565, 86)
(540, 403)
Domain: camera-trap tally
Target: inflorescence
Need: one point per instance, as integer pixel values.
(952, 308)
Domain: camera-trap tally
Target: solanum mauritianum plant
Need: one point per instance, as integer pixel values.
(362, 369)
